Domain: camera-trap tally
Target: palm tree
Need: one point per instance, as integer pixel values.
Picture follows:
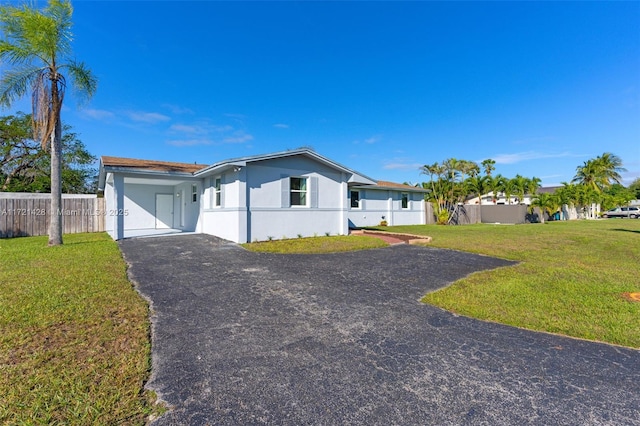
(494, 183)
(37, 43)
(532, 185)
(566, 197)
(510, 189)
(477, 185)
(610, 168)
(600, 172)
(489, 166)
(547, 203)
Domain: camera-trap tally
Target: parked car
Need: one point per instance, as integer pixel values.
(630, 212)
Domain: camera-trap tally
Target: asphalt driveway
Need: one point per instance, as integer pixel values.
(249, 338)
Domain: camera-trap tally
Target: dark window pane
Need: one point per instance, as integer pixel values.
(355, 199)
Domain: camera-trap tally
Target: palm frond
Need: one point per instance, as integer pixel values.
(15, 83)
(82, 78)
(32, 33)
(60, 13)
(47, 97)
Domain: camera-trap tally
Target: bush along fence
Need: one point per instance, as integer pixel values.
(26, 215)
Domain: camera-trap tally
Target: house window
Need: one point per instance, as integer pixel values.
(355, 199)
(298, 191)
(217, 192)
(194, 193)
(405, 200)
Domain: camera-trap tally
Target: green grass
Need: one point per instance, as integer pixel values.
(74, 334)
(571, 278)
(317, 244)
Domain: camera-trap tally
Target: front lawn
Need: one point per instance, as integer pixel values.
(74, 334)
(572, 278)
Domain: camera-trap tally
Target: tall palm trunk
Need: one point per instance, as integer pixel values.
(55, 226)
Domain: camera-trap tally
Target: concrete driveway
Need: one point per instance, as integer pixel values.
(247, 338)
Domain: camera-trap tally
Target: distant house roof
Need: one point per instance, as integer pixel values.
(548, 189)
(383, 184)
(387, 184)
(159, 166)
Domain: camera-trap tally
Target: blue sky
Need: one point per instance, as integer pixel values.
(381, 87)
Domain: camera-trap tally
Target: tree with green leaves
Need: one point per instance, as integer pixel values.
(439, 190)
(488, 165)
(634, 187)
(617, 195)
(533, 184)
(26, 167)
(477, 185)
(547, 203)
(600, 173)
(494, 184)
(509, 188)
(37, 43)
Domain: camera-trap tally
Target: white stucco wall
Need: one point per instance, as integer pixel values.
(108, 206)
(140, 205)
(376, 203)
(229, 220)
(270, 217)
(252, 202)
(186, 212)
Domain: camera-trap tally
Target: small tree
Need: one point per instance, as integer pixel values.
(447, 186)
(547, 203)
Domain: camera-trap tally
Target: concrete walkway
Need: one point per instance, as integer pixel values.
(248, 338)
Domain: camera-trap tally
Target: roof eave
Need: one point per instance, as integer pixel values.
(219, 167)
(104, 170)
(393, 188)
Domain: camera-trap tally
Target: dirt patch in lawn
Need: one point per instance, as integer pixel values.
(634, 297)
(395, 237)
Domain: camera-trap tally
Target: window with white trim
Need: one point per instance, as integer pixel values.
(405, 200)
(355, 199)
(217, 191)
(194, 193)
(298, 191)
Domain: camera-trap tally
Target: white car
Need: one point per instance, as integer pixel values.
(630, 212)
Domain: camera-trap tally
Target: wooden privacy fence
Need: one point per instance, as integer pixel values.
(26, 215)
(469, 214)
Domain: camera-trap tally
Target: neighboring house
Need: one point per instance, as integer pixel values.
(280, 195)
(489, 199)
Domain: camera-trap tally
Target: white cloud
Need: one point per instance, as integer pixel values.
(201, 128)
(190, 142)
(526, 156)
(371, 140)
(185, 128)
(238, 137)
(281, 126)
(205, 133)
(147, 117)
(176, 109)
(97, 114)
(402, 166)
